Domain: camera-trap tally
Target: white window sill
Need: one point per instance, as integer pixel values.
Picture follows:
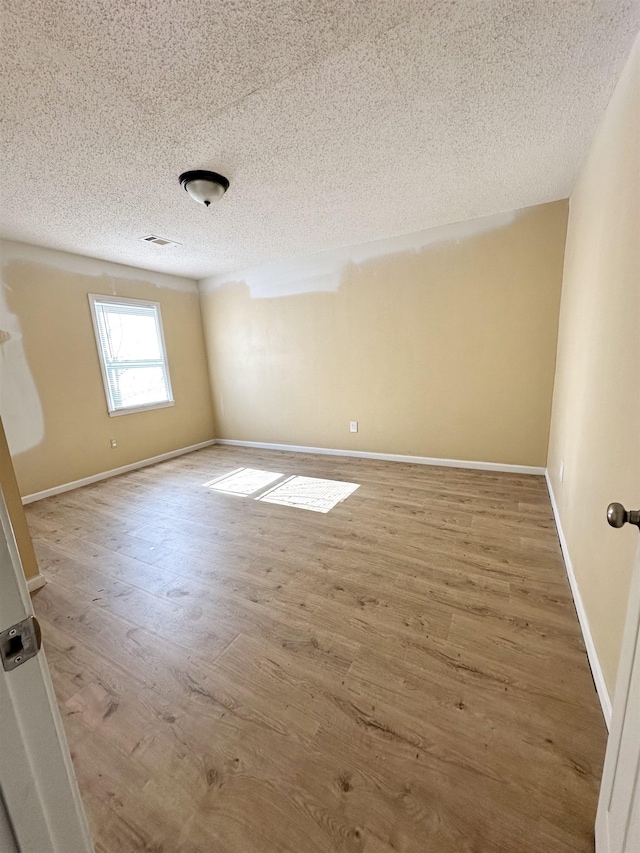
(131, 410)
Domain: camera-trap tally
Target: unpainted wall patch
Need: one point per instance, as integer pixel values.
(20, 405)
(323, 272)
(94, 267)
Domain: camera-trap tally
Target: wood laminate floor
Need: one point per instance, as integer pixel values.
(405, 673)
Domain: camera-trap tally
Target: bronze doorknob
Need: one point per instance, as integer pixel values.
(618, 516)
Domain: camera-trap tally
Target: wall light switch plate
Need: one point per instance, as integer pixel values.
(353, 426)
(114, 442)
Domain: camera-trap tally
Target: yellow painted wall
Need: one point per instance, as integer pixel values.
(52, 397)
(595, 427)
(445, 349)
(11, 495)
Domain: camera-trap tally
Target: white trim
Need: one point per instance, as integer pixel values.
(131, 410)
(36, 582)
(592, 654)
(391, 457)
(114, 472)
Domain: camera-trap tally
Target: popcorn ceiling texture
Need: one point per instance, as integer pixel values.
(336, 121)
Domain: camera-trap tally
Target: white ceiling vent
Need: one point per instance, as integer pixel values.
(159, 241)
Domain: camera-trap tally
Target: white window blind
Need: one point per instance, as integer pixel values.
(132, 353)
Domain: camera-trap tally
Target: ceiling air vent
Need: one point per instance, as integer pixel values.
(158, 241)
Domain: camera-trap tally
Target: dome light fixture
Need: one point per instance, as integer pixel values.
(204, 187)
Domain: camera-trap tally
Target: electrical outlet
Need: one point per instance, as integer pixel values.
(561, 471)
(114, 443)
(353, 426)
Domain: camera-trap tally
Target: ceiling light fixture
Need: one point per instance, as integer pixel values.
(204, 187)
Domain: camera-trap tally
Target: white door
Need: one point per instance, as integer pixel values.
(40, 806)
(618, 818)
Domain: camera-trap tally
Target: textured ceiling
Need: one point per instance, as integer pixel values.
(336, 121)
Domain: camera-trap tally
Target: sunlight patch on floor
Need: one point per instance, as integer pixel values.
(309, 493)
(243, 481)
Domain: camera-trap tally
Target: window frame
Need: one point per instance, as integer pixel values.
(145, 303)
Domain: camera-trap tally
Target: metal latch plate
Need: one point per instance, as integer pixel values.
(20, 642)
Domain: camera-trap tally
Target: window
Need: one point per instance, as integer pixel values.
(132, 354)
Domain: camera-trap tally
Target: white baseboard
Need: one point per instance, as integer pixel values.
(104, 475)
(35, 583)
(594, 662)
(390, 457)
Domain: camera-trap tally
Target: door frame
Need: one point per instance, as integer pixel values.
(628, 666)
(37, 780)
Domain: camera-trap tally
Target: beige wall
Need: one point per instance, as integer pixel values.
(51, 393)
(443, 349)
(595, 426)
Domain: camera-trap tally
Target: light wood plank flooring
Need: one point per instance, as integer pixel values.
(405, 673)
